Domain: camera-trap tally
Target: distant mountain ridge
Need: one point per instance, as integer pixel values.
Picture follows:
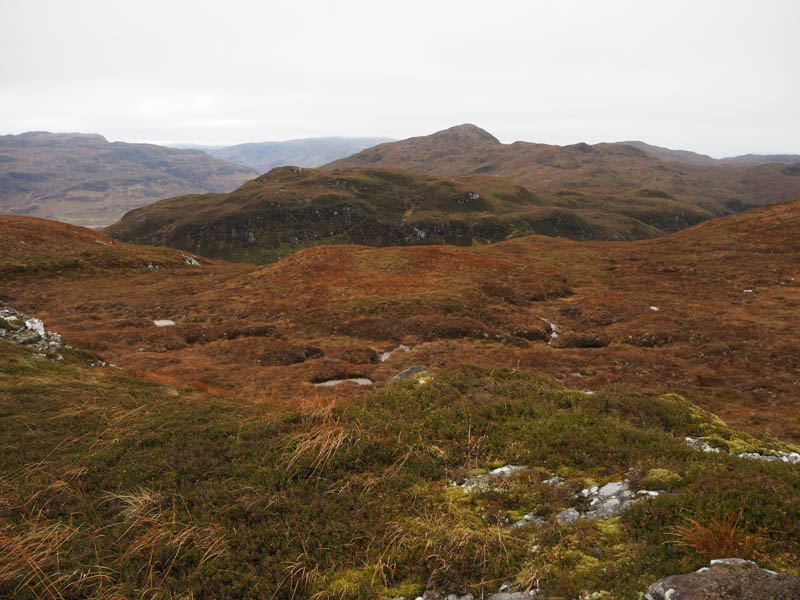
(594, 171)
(84, 179)
(686, 156)
(306, 152)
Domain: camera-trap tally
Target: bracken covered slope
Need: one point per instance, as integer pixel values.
(85, 180)
(290, 208)
(467, 149)
(209, 465)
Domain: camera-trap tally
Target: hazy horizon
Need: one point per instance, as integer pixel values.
(717, 78)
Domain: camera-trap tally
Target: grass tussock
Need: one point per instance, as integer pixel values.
(112, 487)
(174, 382)
(722, 537)
(316, 448)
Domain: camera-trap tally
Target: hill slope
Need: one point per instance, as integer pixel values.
(291, 208)
(209, 464)
(307, 152)
(466, 150)
(84, 179)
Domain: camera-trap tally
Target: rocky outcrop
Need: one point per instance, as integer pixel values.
(481, 482)
(594, 502)
(22, 329)
(724, 579)
(792, 458)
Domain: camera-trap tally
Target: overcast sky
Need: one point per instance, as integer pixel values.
(716, 76)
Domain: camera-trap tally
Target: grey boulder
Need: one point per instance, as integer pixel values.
(727, 579)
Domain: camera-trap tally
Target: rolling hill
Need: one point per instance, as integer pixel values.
(290, 208)
(84, 179)
(467, 149)
(209, 462)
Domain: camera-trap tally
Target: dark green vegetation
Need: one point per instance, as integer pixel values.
(85, 180)
(289, 209)
(307, 152)
(114, 487)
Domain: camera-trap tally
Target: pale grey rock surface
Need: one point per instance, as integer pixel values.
(415, 372)
(727, 579)
(792, 458)
(482, 482)
(29, 331)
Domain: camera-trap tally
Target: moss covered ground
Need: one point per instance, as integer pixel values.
(115, 487)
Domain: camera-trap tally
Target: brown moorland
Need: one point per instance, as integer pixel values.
(204, 463)
(586, 172)
(709, 312)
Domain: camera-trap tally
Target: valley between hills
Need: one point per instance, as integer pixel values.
(546, 395)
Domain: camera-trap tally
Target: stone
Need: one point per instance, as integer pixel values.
(791, 457)
(780, 456)
(506, 470)
(568, 516)
(416, 372)
(586, 492)
(35, 325)
(610, 500)
(387, 355)
(163, 322)
(554, 481)
(727, 579)
(513, 595)
(21, 329)
(480, 483)
(613, 488)
(529, 519)
(701, 445)
(501, 595)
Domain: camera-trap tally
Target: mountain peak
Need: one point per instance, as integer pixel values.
(466, 134)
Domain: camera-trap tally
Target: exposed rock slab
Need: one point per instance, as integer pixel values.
(792, 458)
(418, 372)
(727, 579)
(22, 329)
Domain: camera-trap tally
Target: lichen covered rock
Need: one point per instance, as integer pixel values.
(22, 329)
(727, 579)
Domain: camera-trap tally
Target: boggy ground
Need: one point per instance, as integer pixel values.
(267, 333)
(208, 466)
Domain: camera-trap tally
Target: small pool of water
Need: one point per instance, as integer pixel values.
(333, 382)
